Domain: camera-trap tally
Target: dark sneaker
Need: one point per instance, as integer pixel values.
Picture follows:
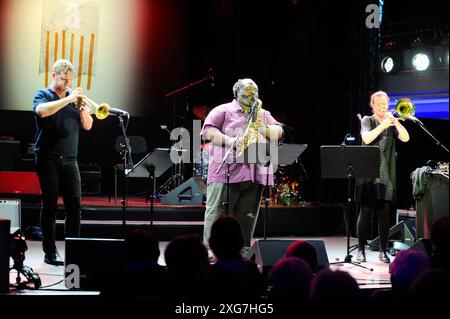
(54, 259)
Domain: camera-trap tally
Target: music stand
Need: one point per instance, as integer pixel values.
(153, 165)
(349, 162)
(270, 153)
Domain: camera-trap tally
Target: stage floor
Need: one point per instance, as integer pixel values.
(52, 277)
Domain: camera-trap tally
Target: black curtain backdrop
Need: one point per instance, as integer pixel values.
(309, 58)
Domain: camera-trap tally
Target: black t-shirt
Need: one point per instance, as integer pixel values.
(383, 187)
(57, 134)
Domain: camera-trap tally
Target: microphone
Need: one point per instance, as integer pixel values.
(359, 117)
(164, 127)
(255, 104)
(211, 76)
(118, 112)
(412, 118)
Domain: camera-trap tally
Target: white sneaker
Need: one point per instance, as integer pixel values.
(212, 258)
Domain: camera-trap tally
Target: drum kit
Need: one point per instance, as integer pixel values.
(201, 161)
(200, 168)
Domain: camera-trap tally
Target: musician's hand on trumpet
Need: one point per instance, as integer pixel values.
(85, 108)
(81, 102)
(76, 96)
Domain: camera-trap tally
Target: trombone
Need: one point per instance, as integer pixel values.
(101, 111)
(404, 109)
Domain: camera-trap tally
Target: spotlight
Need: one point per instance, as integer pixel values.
(421, 61)
(387, 64)
(391, 62)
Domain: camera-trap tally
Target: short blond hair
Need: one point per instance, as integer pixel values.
(62, 66)
(377, 94)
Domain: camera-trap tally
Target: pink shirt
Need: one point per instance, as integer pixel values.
(230, 119)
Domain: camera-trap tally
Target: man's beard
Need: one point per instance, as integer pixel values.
(246, 100)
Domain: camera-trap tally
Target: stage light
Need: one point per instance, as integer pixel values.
(421, 61)
(391, 62)
(441, 55)
(387, 64)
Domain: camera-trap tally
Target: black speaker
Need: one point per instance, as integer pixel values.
(90, 182)
(100, 261)
(403, 232)
(266, 253)
(191, 192)
(423, 245)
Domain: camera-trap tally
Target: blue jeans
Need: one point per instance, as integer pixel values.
(58, 175)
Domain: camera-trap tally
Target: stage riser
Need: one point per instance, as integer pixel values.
(170, 221)
(163, 233)
(317, 221)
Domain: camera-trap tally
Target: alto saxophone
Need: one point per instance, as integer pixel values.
(251, 135)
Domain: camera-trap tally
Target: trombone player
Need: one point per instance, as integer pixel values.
(59, 114)
(382, 128)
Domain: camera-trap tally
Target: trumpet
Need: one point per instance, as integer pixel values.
(404, 109)
(101, 111)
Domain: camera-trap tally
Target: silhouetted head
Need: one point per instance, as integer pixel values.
(186, 256)
(306, 251)
(407, 266)
(226, 238)
(440, 234)
(334, 285)
(290, 278)
(433, 285)
(141, 245)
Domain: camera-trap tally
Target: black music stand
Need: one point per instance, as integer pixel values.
(349, 162)
(267, 154)
(153, 165)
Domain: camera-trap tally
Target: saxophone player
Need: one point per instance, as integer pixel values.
(237, 124)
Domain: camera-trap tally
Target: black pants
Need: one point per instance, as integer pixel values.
(58, 175)
(382, 210)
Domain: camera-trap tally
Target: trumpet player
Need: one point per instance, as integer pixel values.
(224, 127)
(378, 195)
(59, 115)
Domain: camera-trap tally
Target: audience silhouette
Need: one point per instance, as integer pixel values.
(306, 251)
(290, 279)
(235, 277)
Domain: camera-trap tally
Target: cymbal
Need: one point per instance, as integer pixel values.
(200, 111)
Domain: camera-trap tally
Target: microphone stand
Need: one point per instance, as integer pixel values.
(182, 89)
(127, 160)
(243, 132)
(178, 170)
(422, 126)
